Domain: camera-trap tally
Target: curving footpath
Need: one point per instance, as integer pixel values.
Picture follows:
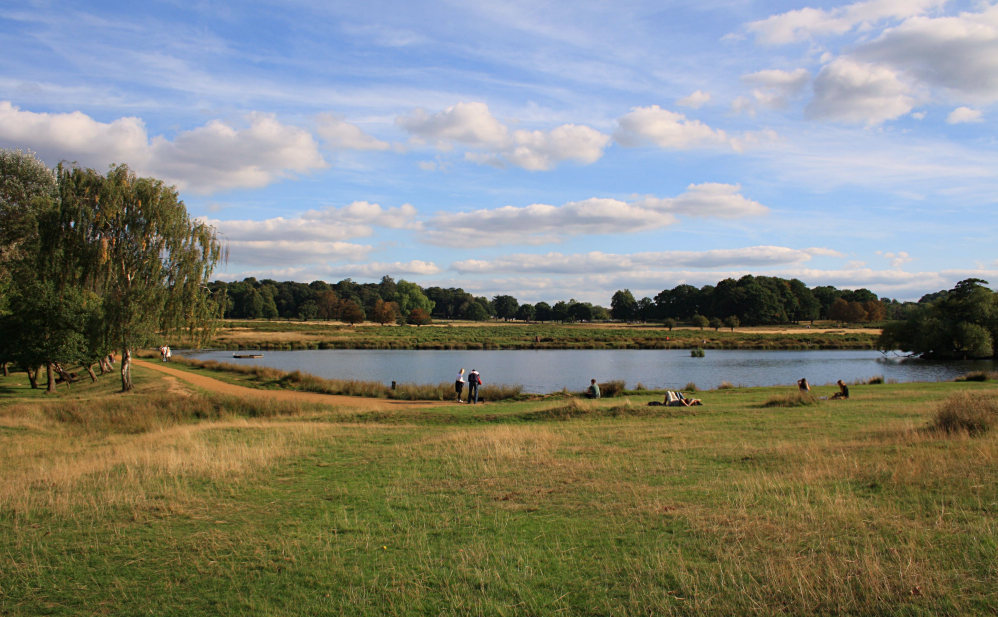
(338, 400)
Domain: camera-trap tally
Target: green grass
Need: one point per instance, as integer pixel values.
(550, 506)
(261, 334)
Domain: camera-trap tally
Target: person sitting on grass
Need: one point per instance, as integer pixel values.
(673, 399)
(593, 391)
(843, 392)
(803, 385)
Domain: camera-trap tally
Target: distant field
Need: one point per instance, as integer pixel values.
(176, 501)
(259, 334)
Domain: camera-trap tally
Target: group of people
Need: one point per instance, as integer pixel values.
(165, 353)
(474, 380)
(843, 393)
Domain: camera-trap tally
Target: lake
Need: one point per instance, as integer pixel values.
(543, 370)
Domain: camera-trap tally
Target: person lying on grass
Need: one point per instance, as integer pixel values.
(676, 399)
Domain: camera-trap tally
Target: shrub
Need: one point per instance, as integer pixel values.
(877, 379)
(697, 352)
(691, 387)
(973, 412)
(792, 399)
(611, 389)
(640, 386)
(726, 385)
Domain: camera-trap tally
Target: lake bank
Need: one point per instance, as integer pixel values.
(289, 336)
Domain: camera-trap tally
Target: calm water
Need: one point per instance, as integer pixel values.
(549, 370)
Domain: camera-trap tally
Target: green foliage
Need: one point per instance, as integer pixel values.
(732, 322)
(716, 323)
(700, 321)
(623, 306)
(697, 352)
(505, 306)
(410, 296)
(476, 312)
(963, 323)
(669, 323)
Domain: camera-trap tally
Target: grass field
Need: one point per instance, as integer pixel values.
(260, 334)
(173, 501)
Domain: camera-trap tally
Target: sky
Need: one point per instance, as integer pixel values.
(544, 149)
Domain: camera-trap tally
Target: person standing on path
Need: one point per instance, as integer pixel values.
(169, 354)
(459, 384)
(474, 380)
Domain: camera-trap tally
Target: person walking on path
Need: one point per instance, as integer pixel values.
(459, 384)
(474, 380)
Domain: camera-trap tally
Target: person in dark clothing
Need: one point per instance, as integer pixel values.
(843, 392)
(474, 380)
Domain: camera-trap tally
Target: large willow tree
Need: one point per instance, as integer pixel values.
(131, 241)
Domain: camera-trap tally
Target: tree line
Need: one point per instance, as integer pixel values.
(750, 300)
(94, 263)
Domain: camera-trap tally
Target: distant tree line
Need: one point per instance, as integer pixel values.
(750, 300)
(92, 263)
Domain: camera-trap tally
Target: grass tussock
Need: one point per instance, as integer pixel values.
(792, 399)
(875, 380)
(978, 376)
(577, 409)
(726, 385)
(691, 387)
(612, 388)
(974, 413)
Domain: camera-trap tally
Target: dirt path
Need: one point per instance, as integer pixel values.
(214, 385)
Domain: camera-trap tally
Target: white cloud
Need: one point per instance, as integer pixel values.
(742, 105)
(898, 260)
(341, 135)
(964, 114)
(958, 54)
(666, 129)
(541, 224)
(603, 263)
(696, 100)
(809, 22)
(293, 252)
(775, 88)
(857, 92)
(823, 252)
(213, 157)
(313, 236)
(473, 125)
(377, 269)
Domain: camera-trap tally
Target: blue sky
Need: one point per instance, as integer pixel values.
(551, 150)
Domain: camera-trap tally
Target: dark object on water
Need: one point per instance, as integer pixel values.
(247, 355)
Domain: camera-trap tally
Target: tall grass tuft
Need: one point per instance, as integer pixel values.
(973, 412)
(726, 385)
(613, 388)
(977, 376)
(792, 399)
(500, 391)
(875, 380)
(691, 387)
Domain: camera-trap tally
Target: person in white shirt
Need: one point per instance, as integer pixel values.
(459, 384)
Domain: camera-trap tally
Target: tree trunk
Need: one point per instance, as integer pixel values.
(102, 363)
(6, 373)
(32, 378)
(126, 370)
(90, 369)
(50, 373)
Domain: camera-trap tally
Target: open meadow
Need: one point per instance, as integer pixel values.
(284, 334)
(176, 500)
